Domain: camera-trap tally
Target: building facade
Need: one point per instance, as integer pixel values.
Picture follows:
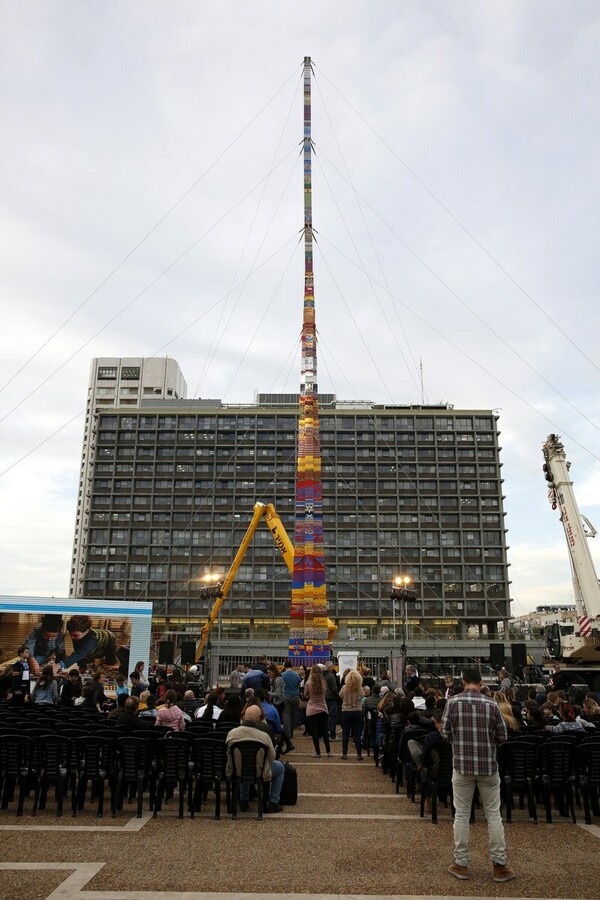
(415, 491)
(114, 382)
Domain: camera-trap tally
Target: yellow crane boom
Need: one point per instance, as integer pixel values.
(262, 511)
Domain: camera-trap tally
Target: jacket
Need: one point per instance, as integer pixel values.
(250, 732)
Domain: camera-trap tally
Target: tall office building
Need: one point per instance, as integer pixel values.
(114, 382)
(414, 490)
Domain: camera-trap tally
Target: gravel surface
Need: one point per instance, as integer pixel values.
(29, 885)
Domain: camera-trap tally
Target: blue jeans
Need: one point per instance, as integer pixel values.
(277, 773)
(352, 723)
(332, 706)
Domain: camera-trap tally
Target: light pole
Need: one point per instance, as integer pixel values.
(402, 590)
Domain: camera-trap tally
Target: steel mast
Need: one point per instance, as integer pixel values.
(308, 642)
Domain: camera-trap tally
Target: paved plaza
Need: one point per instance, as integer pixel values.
(349, 836)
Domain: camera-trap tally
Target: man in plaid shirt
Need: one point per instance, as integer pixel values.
(474, 725)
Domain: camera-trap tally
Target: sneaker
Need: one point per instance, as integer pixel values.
(330, 755)
(360, 758)
(243, 806)
(290, 748)
(273, 807)
(502, 873)
(332, 737)
(460, 872)
(344, 756)
(316, 756)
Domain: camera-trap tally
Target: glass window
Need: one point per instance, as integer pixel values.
(107, 373)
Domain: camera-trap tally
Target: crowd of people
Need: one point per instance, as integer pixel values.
(267, 703)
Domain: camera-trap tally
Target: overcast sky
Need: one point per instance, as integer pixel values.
(456, 193)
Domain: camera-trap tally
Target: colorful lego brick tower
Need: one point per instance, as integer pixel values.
(308, 642)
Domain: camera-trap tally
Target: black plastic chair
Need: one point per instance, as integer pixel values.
(134, 770)
(224, 727)
(518, 769)
(209, 764)
(173, 771)
(54, 770)
(202, 725)
(588, 762)
(93, 764)
(15, 756)
(558, 775)
(404, 762)
(436, 779)
(536, 738)
(248, 763)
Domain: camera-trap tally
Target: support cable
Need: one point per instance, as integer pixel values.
(130, 303)
(470, 309)
(460, 224)
(128, 255)
(556, 428)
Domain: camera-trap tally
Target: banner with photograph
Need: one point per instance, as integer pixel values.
(84, 633)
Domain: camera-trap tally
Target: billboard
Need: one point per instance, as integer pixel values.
(82, 633)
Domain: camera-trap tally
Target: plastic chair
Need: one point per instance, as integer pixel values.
(223, 728)
(173, 771)
(54, 770)
(557, 772)
(15, 754)
(209, 764)
(437, 778)
(588, 760)
(133, 770)
(404, 762)
(92, 763)
(248, 762)
(518, 769)
(202, 724)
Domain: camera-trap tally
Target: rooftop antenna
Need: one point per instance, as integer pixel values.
(422, 385)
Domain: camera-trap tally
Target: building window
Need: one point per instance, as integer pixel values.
(107, 372)
(130, 373)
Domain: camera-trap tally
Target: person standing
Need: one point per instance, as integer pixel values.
(236, 677)
(291, 700)
(317, 714)
(331, 698)
(21, 678)
(351, 696)
(504, 681)
(411, 681)
(474, 725)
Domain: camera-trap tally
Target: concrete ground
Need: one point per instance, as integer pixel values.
(349, 835)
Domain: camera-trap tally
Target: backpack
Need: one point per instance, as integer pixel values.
(289, 788)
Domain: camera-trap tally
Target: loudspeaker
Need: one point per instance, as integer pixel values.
(519, 656)
(497, 656)
(188, 653)
(165, 653)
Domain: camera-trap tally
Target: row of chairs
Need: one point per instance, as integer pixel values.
(542, 766)
(126, 764)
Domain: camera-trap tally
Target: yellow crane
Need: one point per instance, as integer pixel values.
(220, 591)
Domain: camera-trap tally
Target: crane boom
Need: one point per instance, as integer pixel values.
(561, 495)
(282, 542)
